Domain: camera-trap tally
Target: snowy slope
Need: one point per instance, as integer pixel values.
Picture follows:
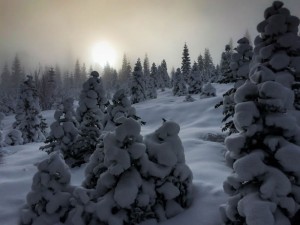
(200, 134)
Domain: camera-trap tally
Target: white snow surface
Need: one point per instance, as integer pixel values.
(200, 134)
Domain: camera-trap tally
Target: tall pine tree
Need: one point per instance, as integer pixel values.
(185, 63)
(267, 193)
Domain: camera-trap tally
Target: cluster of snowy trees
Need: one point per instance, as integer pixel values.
(52, 85)
(150, 170)
(260, 113)
(194, 79)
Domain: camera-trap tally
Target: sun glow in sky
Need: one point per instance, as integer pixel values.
(103, 53)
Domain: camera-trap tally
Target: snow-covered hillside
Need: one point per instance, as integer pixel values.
(202, 139)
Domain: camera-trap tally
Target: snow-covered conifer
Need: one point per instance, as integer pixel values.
(194, 80)
(160, 80)
(152, 83)
(146, 72)
(237, 74)
(138, 84)
(208, 90)
(168, 171)
(152, 173)
(209, 73)
(154, 75)
(264, 187)
(121, 107)
(28, 113)
(48, 201)
(64, 132)
(164, 74)
(225, 63)
(124, 196)
(186, 63)
(179, 87)
(125, 74)
(90, 115)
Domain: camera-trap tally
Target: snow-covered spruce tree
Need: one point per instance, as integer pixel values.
(194, 81)
(28, 113)
(160, 80)
(146, 72)
(154, 74)
(168, 171)
(48, 200)
(237, 74)
(90, 115)
(124, 195)
(125, 74)
(165, 75)
(264, 187)
(156, 187)
(121, 107)
(179, 87)
(209, 73)
(152, 84)
(138, 84)
(208, 90)
(200, 62)
(185, 63)
(64, 132)
(225, 63)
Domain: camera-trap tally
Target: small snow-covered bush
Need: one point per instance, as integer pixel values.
(208, 91)
(48, 201)
(189, 98)
(13, 137)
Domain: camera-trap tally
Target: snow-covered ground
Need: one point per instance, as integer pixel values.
(201, 136)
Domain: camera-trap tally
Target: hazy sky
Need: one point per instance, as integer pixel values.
(59, 31)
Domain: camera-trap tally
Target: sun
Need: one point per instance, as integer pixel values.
(103, 53)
